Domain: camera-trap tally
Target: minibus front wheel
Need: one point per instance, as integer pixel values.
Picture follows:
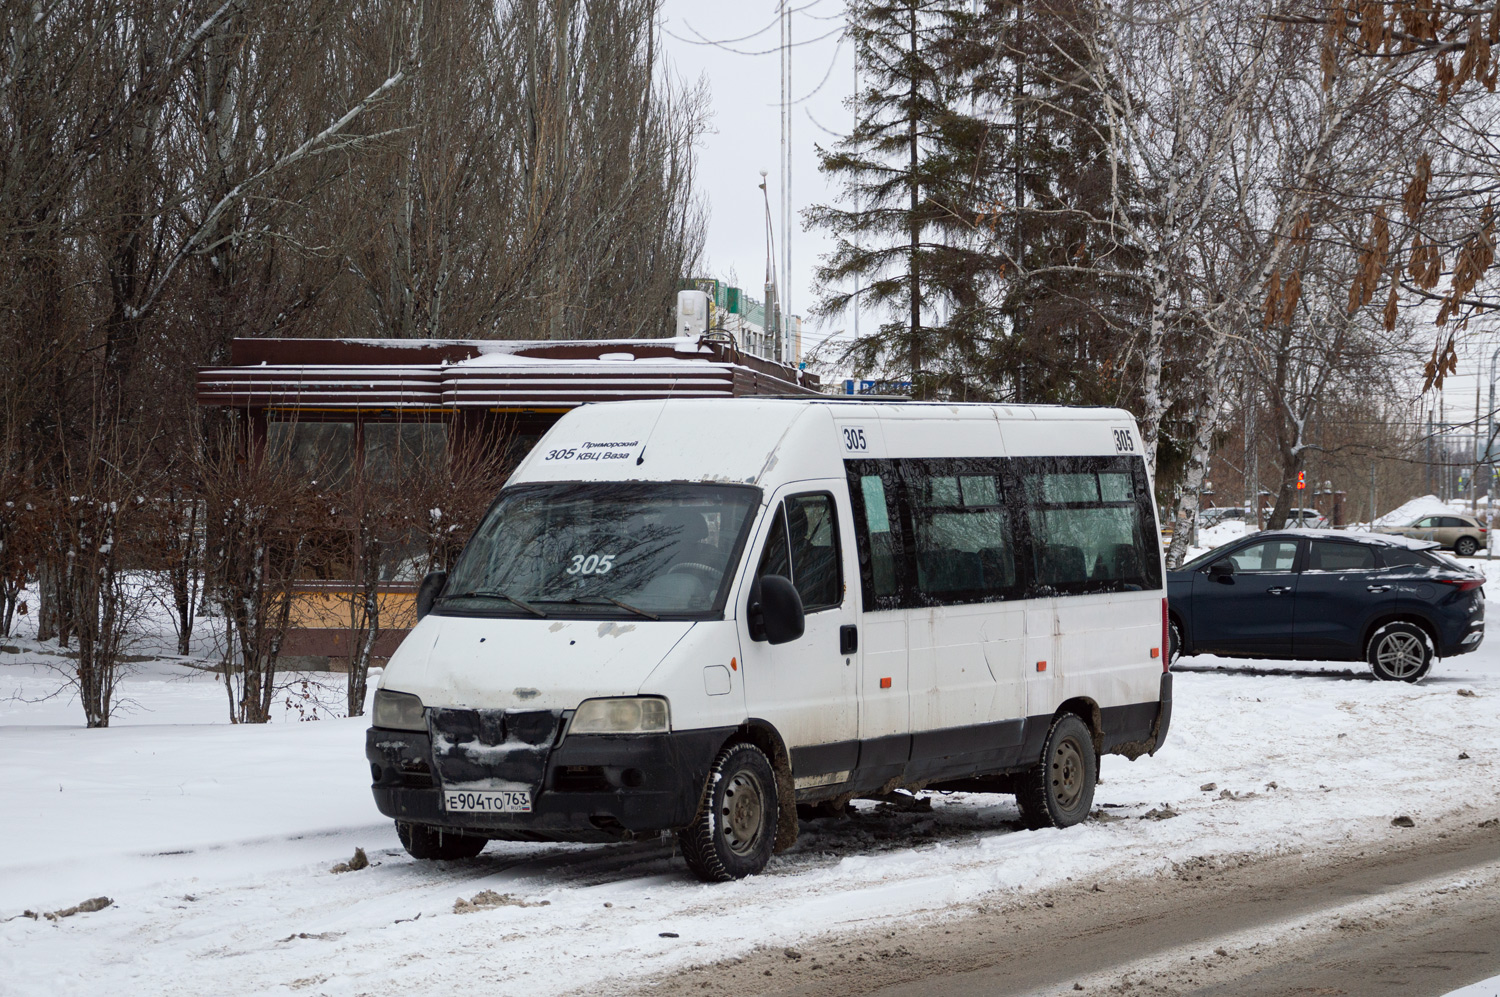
(1059, 790)
(735, 829)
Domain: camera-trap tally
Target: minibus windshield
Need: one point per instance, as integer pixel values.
(603, 550)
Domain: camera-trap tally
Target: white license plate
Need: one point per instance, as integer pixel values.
(486, 801)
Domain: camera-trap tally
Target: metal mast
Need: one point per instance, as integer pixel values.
(783, 341)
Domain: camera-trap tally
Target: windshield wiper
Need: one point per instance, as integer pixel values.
(485, 594)
(609, 598)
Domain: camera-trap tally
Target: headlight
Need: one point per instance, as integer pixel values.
(398, 711)
(639, 715)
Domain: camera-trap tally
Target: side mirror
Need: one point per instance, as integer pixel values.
(427, 592)
(774, 613)
(1222, 571)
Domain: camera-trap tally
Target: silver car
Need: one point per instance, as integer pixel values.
(1301, 519)
(1461, 534)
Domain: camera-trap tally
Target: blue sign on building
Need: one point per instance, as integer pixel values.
(868, 387)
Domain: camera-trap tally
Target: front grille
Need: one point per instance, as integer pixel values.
(533, 726)
(475, 745)
(495, 727)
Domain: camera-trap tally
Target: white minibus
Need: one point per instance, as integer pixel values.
(696, 615)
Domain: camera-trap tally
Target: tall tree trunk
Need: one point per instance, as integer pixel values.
(47, 609)
(364, 620)
(1153, 401)
(1208, 417)
(184, 569)
(916, 225)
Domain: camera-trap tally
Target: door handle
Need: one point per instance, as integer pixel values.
(1277, 589)
(1377, 588)
(848, 638)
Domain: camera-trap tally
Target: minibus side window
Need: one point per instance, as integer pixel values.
(807, 551)
(1088, 529)
(814, 535)
(876, 533)
(774, 559)
(965, 551)
(878, 528)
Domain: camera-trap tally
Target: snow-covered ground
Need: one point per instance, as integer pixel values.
(214, 842)
(1484, 988)
(1219, 535)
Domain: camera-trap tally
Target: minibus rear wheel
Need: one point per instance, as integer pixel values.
(1059, 790)
(423, 842)
(735, 830)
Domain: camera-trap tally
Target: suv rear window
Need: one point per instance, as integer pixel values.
(1403, 557)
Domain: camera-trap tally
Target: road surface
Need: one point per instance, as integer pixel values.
(1420, 916)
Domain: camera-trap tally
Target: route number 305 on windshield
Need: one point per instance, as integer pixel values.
(593, 564)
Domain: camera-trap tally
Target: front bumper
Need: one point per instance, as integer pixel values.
(584, 787)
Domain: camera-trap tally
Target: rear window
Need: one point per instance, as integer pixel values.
(1444, 561)
(1402, 557)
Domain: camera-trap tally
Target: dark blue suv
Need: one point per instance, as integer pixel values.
(1328, 596)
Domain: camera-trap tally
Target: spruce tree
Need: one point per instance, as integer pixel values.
(906, 224)
(1067, 280)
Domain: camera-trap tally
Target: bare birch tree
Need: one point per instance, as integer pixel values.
(1222, 114)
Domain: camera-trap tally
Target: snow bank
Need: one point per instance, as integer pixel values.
(1217, 536)
(1484, 988)
(1223, 533)
(1427, 505)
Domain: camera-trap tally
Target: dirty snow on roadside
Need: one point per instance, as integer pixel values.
(214, 842)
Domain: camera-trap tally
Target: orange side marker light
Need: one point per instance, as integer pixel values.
(1156, 652)
(734, 663)
(885, 683)
(1041, 666)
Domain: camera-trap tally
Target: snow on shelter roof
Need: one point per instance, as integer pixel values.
(487, 374)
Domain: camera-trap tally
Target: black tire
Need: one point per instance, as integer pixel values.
(1400, 652)
(1174, 642)
(1466, 546)
(735, 829)
(1059, 790)
(424, 842)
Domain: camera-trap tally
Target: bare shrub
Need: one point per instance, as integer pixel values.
(266, 522)
(97, 522)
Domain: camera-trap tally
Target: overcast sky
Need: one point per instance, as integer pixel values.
(745, 87)
(743, 77)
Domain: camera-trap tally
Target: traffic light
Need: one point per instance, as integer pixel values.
(1301, 480)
